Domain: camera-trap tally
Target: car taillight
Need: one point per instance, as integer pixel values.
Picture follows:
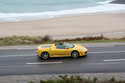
(37, 49)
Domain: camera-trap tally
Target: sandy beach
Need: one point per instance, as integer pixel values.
(66, 26)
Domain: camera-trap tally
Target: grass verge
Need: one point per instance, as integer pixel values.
(27, 40)
(78, 79)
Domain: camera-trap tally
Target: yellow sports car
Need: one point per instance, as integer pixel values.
(60, 50)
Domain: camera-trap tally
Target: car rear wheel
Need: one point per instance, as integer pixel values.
(45, 55)
(75, 54)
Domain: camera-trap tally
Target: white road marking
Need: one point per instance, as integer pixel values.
(17, 48)
(42, 63)
(25, 48)
(99, 46)
(36, 54)
(105, 52)
(19, 66)
(110, 60)
(17, 55)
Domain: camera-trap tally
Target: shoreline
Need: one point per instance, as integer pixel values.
(113, 7)
(66, 26)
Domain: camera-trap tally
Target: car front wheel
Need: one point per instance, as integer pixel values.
(75, 54)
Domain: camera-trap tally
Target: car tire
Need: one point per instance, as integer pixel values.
(75, 54)
(45, 55)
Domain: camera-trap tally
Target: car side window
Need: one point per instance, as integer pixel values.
(60, 47)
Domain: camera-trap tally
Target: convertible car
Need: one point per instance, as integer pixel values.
(60, 50)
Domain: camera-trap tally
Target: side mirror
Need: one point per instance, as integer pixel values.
(67, 47)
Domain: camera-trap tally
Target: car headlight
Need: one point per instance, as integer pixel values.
(81, 49)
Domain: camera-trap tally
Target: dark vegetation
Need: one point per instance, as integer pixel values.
(22, 40)
(84, 39)
(78, 79)
(27, 40)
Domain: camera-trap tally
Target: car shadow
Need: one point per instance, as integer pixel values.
(62, 59)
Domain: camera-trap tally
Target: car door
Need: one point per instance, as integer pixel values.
(60, 51)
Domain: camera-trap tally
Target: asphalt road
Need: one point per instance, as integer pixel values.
(100, 59)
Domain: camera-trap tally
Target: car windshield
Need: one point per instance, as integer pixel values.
(69, 45)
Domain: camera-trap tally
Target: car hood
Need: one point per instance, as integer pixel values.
(79, 47)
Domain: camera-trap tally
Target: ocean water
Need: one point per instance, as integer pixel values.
(19, 10)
